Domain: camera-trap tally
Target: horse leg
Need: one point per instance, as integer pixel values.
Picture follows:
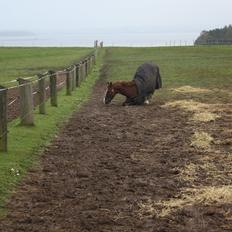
(127, 102)
(130, 102)
(139, 100)
(147, 99)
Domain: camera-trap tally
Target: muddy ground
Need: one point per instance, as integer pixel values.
(112, 168)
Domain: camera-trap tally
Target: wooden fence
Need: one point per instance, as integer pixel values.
(74, 75)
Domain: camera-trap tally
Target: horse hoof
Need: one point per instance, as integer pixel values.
(146, 102)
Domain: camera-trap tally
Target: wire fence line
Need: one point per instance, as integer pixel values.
(45, 86)
(13, 81)
(12, 102)
(24, 116)
(45, 75)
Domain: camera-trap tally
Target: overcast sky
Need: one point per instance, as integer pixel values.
(141, 15)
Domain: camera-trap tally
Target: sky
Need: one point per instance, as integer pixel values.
(115, 15)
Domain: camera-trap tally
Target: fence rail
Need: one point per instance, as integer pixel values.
(45, 86)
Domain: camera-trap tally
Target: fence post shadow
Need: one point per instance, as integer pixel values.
(3, 119)
(42, 93)
(68, 83)
(53, 88)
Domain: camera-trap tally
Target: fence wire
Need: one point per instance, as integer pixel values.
(61, 81)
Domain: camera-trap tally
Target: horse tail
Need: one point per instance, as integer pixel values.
(158, 80)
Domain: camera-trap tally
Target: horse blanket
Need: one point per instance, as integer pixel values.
(147, 79)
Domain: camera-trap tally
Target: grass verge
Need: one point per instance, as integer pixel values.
(25, 143)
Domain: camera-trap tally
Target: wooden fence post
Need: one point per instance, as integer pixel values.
(94, 59)
(68, 83)
(78, 77)
(86, 68)
(74, 76)
(26, 102)
(42, 94)
(3, 119)
(82, 70)
(89, 65)
(53, 88)
(92, 62)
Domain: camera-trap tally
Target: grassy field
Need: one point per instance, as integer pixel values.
(201, 67)
(24, 62)
(25, 143)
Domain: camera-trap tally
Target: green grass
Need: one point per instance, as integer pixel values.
(203, 66)
(25, 143)
(24, 62)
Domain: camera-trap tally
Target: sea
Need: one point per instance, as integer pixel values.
(86, 39)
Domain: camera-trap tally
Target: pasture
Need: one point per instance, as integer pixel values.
(161, 167)
(200, 67)
(25, 62)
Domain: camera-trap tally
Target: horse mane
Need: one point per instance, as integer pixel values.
(124, 83)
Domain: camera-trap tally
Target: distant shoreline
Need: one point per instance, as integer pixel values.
(74, 39)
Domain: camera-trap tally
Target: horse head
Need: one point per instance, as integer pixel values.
(110, 93)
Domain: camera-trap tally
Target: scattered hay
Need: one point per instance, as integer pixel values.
(189, 197)
(201, 140)
(190, 89)
(189, 172)
(160, 209)
(171, 206)
(213, 195)
(205, 117)
(190, 105)
(205, 196)
(207, 167)
(147, 209)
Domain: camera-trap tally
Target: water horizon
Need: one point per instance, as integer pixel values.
(86, 39)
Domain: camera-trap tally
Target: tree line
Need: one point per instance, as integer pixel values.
(215, 36)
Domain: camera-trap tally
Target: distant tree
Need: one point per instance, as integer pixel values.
(216, 36)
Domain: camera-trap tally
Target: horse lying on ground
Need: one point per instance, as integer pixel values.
(138, 91)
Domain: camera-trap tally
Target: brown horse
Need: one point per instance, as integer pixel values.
(125, 88)
(138, 91)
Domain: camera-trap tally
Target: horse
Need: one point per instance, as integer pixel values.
(139, 90)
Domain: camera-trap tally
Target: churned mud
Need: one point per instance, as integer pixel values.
(115, 168)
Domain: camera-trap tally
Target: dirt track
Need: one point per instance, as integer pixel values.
(105, 169)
